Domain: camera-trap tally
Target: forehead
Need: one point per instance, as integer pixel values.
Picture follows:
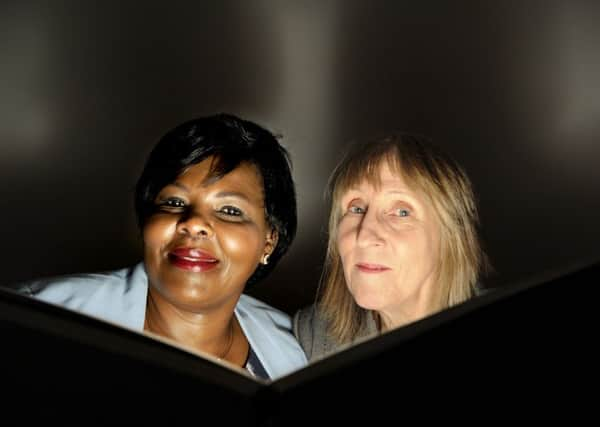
(243, 178)
(383, 175)
(205, 172)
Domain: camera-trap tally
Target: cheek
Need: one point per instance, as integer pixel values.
(345, 245)
(429, 251)
(243, 246)
(157, 232)
(436, 250)
(345, 239)
(434, 241)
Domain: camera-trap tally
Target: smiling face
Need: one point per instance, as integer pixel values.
(388, 239)
(207, 236)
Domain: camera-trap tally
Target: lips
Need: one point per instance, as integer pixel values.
(192, 259)
(367, 267)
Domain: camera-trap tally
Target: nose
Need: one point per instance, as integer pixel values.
(195, 226)
(369, 230)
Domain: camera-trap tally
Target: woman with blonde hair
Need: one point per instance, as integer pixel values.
(403, 243)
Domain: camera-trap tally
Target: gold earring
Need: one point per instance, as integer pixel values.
(265, 259)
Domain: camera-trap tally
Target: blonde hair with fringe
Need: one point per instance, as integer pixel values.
(445, 184)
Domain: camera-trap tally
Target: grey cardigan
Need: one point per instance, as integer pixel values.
(310, 329)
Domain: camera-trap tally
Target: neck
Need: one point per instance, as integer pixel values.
(397, 319)
(411, 310)
(209, 331)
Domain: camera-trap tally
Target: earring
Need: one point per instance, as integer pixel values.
(265, 259)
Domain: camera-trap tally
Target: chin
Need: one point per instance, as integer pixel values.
(368, 305)
(368, 300)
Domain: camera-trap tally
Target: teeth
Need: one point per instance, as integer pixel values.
(197, 259)
(194, 253)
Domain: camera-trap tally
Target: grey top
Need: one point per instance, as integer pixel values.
(310, 329)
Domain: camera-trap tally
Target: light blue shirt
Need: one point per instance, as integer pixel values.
(119, 297)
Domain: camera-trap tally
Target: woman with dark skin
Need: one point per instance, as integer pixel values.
(216, 208)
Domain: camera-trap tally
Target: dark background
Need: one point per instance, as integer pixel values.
(511, 89)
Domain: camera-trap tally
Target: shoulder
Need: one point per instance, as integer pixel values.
(269, 332)
(310, 329)
(480, 289)
(65, 287)
(72, 284)
(112, 295)
(251, 306)
(303, 328)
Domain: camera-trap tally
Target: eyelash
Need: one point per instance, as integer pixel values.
(231, 211)
(355, 209)
(174, 203)
(400, 212)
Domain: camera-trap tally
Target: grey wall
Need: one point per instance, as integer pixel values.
(511, 89)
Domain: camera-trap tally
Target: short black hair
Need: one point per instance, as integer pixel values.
(231, 141)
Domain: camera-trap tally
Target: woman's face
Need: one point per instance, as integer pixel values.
(389, 243)
(207, 237)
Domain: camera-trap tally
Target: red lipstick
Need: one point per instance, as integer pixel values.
(366, 267)
(192, 259)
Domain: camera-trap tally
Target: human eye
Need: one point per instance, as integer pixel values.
(356, 207)
(171, 204)
(230, 211)
(402, 212)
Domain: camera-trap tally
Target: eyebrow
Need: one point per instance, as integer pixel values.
(180, 185)
(236, 194)
(221, 194)
(413, 199)
(402, 192)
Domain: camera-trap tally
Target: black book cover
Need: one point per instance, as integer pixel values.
(525, 347)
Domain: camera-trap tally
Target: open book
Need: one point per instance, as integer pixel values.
(503, 350)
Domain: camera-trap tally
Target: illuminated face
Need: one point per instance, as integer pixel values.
(207, 237)
(389, 243)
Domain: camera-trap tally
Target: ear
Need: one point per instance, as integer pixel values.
(271, 241)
